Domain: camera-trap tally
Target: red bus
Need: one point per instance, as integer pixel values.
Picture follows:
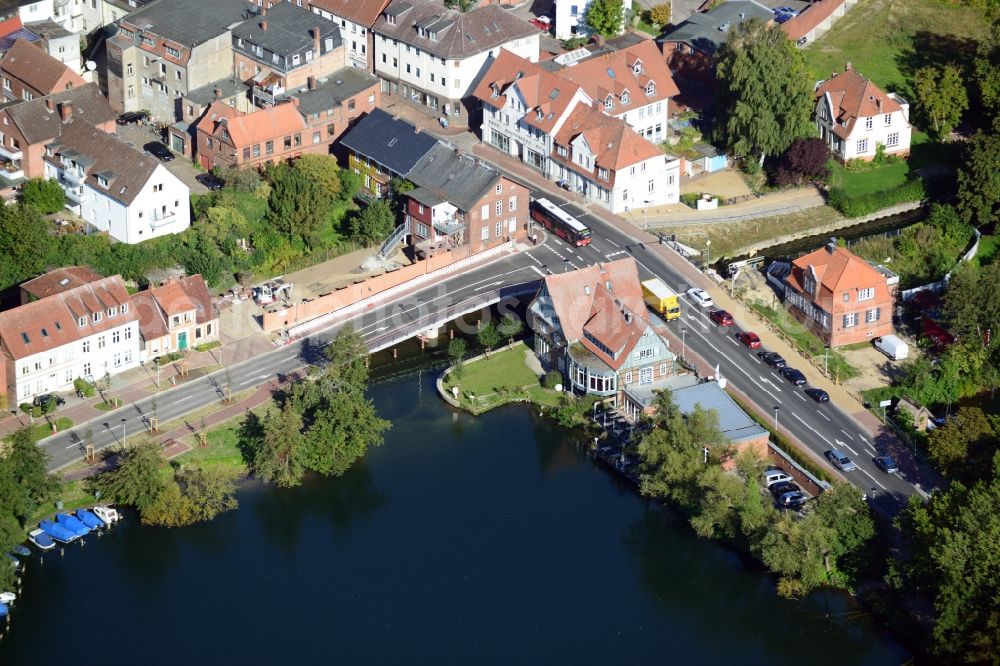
(559, 222)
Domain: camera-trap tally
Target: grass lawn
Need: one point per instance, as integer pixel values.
(503, 378)
(989, 246)
(72, 495)
(222, 450)
(42, 429)
(887, 40)
(810, 345)
(108, 406)
(876, 179)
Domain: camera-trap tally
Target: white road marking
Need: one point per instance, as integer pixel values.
(827, 418)
(846, 446)
(612, 242)
(870, 450)
(733, 340)
(695, 320)
(846, 433)
(537, 270)
(488, 286)
(877, 482)
(759, 362)
(187, 397)
(800, 397)
(289, 358)
(253, 379)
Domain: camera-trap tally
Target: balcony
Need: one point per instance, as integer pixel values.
(73, 177)
(10, 153)
(11, 171)
(159, 220)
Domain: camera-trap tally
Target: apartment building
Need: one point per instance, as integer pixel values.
(27, 72)
(356, 18)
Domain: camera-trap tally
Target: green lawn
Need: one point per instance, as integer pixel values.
(989, 246)
(502, 378)
(808, 344)
(222, 450)
(887, 40)
(42, 429)
(876, 179)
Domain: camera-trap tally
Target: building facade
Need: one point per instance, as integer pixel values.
(356, 18)
(175, 316)
(28, 72)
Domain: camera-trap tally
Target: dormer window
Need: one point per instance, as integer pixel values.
(650, 88)
(496, 91)
(82, 321)
(96, 317)
(539, 114)
(124, 308)
(102, 181)
(609, 103)
(390, 19)
(637, 67)
(625, 97)
(112, 312)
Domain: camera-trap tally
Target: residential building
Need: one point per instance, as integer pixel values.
(85, 331)
(628, 79)
(815, 19)
(283, 48)
(855, 117)
(690, 48)
(460, 200)
(593, 326)
(114, 187)
(165, 49)
(571, 19)
(28, 72)
(59, 43)
(56, 282)
(381, 147)
(356, 18)
(432, 57)
(181, 136)
(100, 13)
(175, 316)
(27, 127)
(840, 297)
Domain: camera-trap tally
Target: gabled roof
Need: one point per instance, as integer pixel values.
(38, 124)
(852, 96)
(188, 22)
(459, 35)
(615, 144)
(613, 72)
(332, 90)
(709, 31)
(52, 322)
(59, 280)
(157, 304)
(448, 175)
(265, 124)
(614, 326)
(38, 69)
(361, 12)
(215, 113)
(572, 293)
(835, 270)
(289, 29)
(734, 423)
(392, 142)
(805, 21)
(543, 92)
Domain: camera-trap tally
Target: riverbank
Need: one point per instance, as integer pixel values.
(488, 381)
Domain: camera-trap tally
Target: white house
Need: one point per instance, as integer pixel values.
(356, 19)
(855, 116)
(84, 331)
(432, 56)
(571, 18)
(114, 187)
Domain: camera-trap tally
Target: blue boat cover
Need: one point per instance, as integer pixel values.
(72, 524)
(57, 531)
(89, 519)
(20, 550)
(4, 610)
(43, 540)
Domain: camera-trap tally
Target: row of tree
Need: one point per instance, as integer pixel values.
(681, 461)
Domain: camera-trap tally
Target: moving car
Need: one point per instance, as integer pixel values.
(721, 317)
(159, 151)
(701, 297)
(819, 395)
(749, 338)
(773, 359)
(792, 375)
(886, 464)
(840, 460)
(132, 118)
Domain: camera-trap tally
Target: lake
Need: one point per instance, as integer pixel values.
(462, 540)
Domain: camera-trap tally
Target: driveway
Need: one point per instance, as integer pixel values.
(139, 135)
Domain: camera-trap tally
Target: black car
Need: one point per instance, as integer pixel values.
(132, 118)
(779, 489)
(819, 395)
(773, 359)
(46, 398)
(210, 181)
(792, 375)
(158, 150)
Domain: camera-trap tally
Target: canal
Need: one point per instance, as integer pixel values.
(461, 540)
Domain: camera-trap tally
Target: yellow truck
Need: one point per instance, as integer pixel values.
(661, 298)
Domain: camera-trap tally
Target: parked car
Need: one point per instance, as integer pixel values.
(210, 181)
(792, 375)
(792, 500)
(46, 398)
(542, 23)
(779, 489)
(773, 359)
(886, 464)
(749, 338)
(819, 395)
(132, 118)
(839, 460)
(159, 151)
(701, 297)
(721, 317)
(775, 475)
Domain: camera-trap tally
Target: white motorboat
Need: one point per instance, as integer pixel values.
(40, 540)
(106, 513)
(7, 598)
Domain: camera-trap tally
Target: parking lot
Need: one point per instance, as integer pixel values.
(139, 135)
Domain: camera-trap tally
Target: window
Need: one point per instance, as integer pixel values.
(269, 148)
(86, 369)
(112, 312)
(86, 346)
(866, 294)
(128, 333)
(297, 139)
(163, 69)
(246, 153)
(873, 315)
(663, 369)
(100, 342)
(602, 173)
(642, 112)
(118, 359)
(892, 140)
(625, 97)
(96, 317)
(650, 88)
(486, 232)
(128, 70)
(628, 377)
(499, 229)
(888, 120)
(574, 10)
(869, 123)
(124, 308)
(499, 208)
(116, 337)
(850, 320)
(485, 212)
(609, 104)
(863, 146)
(512, 203)
(173, 52)
(499, 188)
(82, 321)
(651, 186)
(177, 74)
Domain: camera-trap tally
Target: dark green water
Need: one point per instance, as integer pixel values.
(463, 540)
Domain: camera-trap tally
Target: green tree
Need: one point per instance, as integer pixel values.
(605, 17)
(298, 205)
(241, 179)
(398, 189)
(510, 327)
(137, 481)
(660, 14)
(765, 97)
(350, 183)
(941, 96)
(25, 244)
(29, 466)
(456, 355)
(986, 72)
(489, 337)
(972, 303)
(210, 491)
(44, 195)
(323, 169)
(277, 457)
(170, 509)
(373, 223)
(979, 180)
(346, 360)
(965, 446)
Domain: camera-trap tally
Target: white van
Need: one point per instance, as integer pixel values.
(892, 346)
(773, 476)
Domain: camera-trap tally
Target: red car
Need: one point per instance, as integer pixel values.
(542, 24)
(721, 317)
(749, 339)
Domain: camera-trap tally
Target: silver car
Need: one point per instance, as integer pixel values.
(840, 460)
(701, 297)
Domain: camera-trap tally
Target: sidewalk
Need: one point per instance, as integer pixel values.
(769, 205)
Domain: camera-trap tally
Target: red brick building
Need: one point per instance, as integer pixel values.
(28, 72)
(840, 297)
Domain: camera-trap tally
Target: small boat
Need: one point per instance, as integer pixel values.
(20, 551)
(106, 513)
(40, 540)
(58, 533)
(89, 519)
(72, 524)
(4, 609)
(7, 598)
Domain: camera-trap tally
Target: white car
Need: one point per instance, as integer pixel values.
(701, 297)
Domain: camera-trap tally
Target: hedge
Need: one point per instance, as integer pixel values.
(866, 204)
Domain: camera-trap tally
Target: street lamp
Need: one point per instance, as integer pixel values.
(645, 212)
(826, 363)
(683, 344)
(124, 440)
(708, 253)
(776, 408)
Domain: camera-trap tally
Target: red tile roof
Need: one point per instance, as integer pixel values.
(215, 113)
(10, 25)
(615, 326)
(615, 144)
(60, 280)
(266, 124)
(835, 270)
(38, 69)
(157, 304)
(611, 73)
(852, 96)
(573, 293)
(809, 18)
(362, 12)
(52, 322)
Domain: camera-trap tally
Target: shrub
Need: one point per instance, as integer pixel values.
(690, 199)
(865, 204)
(552, 379)
(46, 196)
(84, 388)
(805, 159)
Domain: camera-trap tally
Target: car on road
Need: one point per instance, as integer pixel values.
(886, 464)
(792, 375)
(46, 398)
(773, 359)
(819, 395)
(132, 118)
(749, 338)
(159, 151)
(210, 181)
(792, 500)
(840, 460)
(780, 489)
(701, 297)
(721, 317)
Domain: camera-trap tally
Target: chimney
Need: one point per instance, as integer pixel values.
(598, 40)
(831, 247)
(218, 93)
(311, 83)
(316, 35)
(295, 102)
(66, 111)
(878, 104)
(848, 66)
(50, 104)
(263, 25)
